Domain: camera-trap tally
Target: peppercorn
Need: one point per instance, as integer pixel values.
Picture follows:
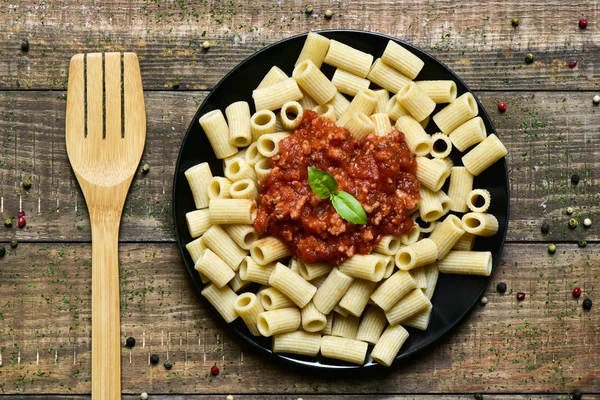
(545, 228)
(576, 395)
(529, 58)
(596, 99)
(552, 248)
(576, 291)
(25, 46)
(168, 364)
(502, 106)
(176, 85)
(587, 222)
(14, 244)
(328, 14)
(573, 223)
(478, 396)
(21, 222)
(520, 296)
(575, 179)
(145, 168)
(8, 222)
(501, 287)
(483, 301)
(214, 370)
(144, 396)
(130, 342)
(206, 45)
(2, 251)
(583, 23)
(572, 64)
(154, 358)
(569, 210)
(587, 304)
(309, 9)
(27, 184)
(229, 397)
(515, 22)
(582, 243)
(21, 214)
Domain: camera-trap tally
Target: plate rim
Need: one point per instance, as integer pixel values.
(315, 365)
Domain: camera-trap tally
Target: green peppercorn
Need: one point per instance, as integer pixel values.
(515, 22)
(582, 243)
(552, 248)
(309, 9)
(573, 223)
(328, 14)
(529, 58)
(146, 168)
(2, 251)
(168, 364)
(8, 222)
(27, 184)
(14, 244)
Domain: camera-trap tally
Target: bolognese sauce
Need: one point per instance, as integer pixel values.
(378, 171)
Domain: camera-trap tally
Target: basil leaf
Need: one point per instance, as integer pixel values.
(349, 208)
(322, 183)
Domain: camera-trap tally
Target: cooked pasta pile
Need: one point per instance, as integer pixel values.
(368, 299)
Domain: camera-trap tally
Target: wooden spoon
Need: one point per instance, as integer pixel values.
(105, 144)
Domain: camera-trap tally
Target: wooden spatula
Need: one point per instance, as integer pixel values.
(105, 135)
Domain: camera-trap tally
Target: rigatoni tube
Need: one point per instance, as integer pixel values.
(484, 155)
(273, 299)
(364, 102)
(345, 326)
(480, 224)
(466, 135)
(415, 101)
(389, 344)
(313, 320)
(359, 125)
(214, 268)
(291, 115)
(332, 290)
(466, 263)
(252, 272)
(393, 289)
(222, 299)
(369, 267)
(461, 184)
(446, 234)
(298, 342)
(402, 59)
(198, 178)
(350, 350)
(357, 296)
(215, 127)
(238, 119)
(261, 123)
(383, 126)
(349, 59)
(268, 249)
(292, 285)
(248, 308)
(216, 239)
(314, 49)
(218, 188)
(417, 254)
(371, 325)
(387, 77)
(314, 82)
(406, 307)
(275, 96)
(439, 91)
(198, 222)
(347, 83)
(456, 113)
(232, 211)
(243, 235)
(268, 145)
(430, 173)
(275, 75)
(244, 189)
(279, 321)
(417, 140)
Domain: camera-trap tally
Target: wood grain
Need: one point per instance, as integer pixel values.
(550, 136)
(545, 343)
(315, 397)
(474, 38)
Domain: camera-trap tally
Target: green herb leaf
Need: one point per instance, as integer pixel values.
(349, 208)
(322, 183)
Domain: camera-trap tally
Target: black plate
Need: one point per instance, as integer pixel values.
(455, 295)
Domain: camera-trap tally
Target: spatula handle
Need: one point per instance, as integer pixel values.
(106, 326)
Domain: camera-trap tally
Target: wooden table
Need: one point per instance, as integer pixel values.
(540, 348)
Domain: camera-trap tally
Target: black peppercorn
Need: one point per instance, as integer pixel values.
(501, 287)
(25, 45)
(478, 396)
(154, 359)
(576, 395)
(575, 179)
(130, 342)
(529, 58)
(545, 227)
(2, 251)
(14, 244)
(168, 364)
(587, 304)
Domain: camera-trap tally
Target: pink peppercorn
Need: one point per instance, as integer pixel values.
(21, 222)
(583, 23)
(214, 370)
(502, 106)
(572, 64)
(520, 296)
(576, 291)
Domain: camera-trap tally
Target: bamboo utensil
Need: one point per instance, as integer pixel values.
(105, 136)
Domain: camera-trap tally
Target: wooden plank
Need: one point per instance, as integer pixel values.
(545, 343)
(549, 136)
(475, 38)
(311, 397)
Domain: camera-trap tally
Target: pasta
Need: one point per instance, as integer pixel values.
(387, 77)
(332, 290)
(314, 82)
(482, 156)
(218, 188)
(415, 101)
(238, 119)
(456, 113)
(198, 178)
(371, 325)
(475, 197)
(347, 83)
(197, 222)
(216, 130)
(466, 135)
(439, 91)
(466, 262)
(446, 234)
(292, 285)
(350, 350)
(314, 49)
(349, 59)
(480, 224)
(291, 115)
(275, 75)
(298, 342)
(393, 289)
(357, 296)
(261, 123)
(275, 96)
(275, 322)
(389, 344)
(417, 254)
(232, 211)
(416, 138)
(248, 308)
(461, 184)
(403, 60)
(215, 269)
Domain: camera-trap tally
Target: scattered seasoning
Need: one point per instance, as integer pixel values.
(570, 210)
(154, 358)
(145, 168)
(582, 243)
(515, 22)
(576, 291)
(328, 14)
(214, 370)
(576, 395)
(168, 364)
(587, 304)
(130, 342)
(21, 222)
(309, 9)
(587, 222)
(14, 244)
(575, 179)
(596, 99)
(8, 222)
(27, 184)
(25, 46)
(144, 396)
(501, 287)
(2, 251)
(573, 223)
(483, 301)
(502, 106)
(552, 248)
(572, 64)
(206, 45)
(529, 58)
(520, 296)
(545, 228)
(583, 23)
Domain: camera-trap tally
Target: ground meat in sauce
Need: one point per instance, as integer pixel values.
(379, 171)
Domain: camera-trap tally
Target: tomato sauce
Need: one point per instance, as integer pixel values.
(378, 171)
